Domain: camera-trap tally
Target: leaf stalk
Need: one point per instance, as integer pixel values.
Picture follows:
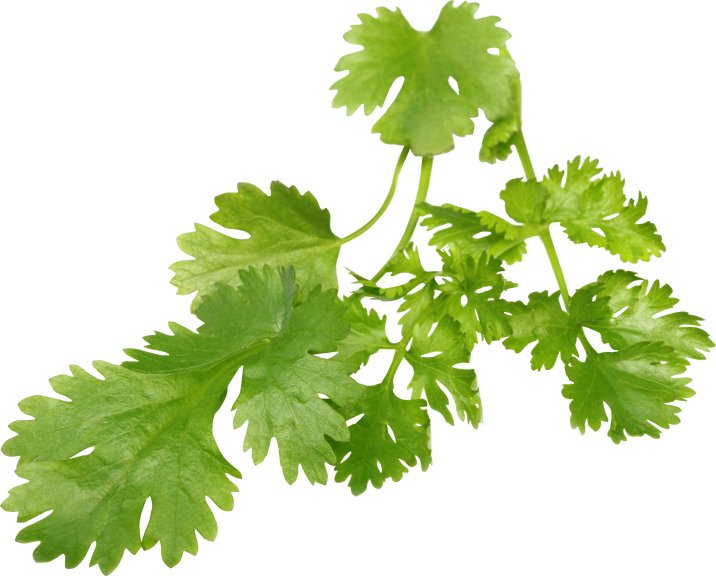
(386, 202)
(426, 169)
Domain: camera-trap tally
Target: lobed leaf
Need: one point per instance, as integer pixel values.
(406, 261)
(149, 424)
(427, 112)
(287, 228)
(543, 320)
(431, 371)
(366, 336)
(479, 283)
(504, 133)
(151, 436)
(372, 455)
(595, 212)
(631, 312)
(476, 232)
(638, 385)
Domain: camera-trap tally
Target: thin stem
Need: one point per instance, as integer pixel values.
(386, 202)
(556, 267)
(562, 284)
(524, 156)
(425, 171)
(397, 359)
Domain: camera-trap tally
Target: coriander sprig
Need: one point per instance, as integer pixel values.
(269, 308)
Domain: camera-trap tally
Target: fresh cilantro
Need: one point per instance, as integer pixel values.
(269, 306)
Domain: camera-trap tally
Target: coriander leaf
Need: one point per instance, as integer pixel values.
(427, 112)
(366, 336)
(524, 201)
(372, 454)
(431, 371)
(543, 320)
(419, 306)
(504, 133)
(152, 438)
(281, 382)
(637, 383)
(475, 233)
(406, 261)
(280, 389)
(678, 330)
(595, 212)
(232, 320)
(480, 283)
(286, 228)
(588, 305)
(564, 196)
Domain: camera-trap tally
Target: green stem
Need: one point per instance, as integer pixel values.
(562, 284)
(425, 171)
(397, 359)
(524, 156)
(386, 202)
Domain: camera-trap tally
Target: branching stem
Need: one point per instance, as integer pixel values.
(562, 285)
(386, 202)
(426, 169)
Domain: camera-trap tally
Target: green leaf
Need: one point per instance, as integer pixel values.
(280, 390)
(589, 305)
(678, 330)
(152, 419)
(564, 196)
(407, 261)
(595, 212)
(524, 201)
(499, 238)
(232, 321)
(152, 438)
(480, 283)
(427, 112)
(429, 372)
(372, 454)
(637, 383)
(419, 307)
(366, 336)
(287, 228)
(543, 320)
(504, 133)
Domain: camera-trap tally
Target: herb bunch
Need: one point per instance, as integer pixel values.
(269, 305)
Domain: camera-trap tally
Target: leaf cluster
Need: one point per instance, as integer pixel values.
(272, 318)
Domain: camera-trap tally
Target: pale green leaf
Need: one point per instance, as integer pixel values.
(431, 371)
(595, 212)
(504, 133)
(427, 112)
(524, 201)
(544, 321)
(287, 228)
(151, 436)
(476, 232)
(637, 323)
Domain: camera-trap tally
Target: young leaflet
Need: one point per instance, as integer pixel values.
(269, 305)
